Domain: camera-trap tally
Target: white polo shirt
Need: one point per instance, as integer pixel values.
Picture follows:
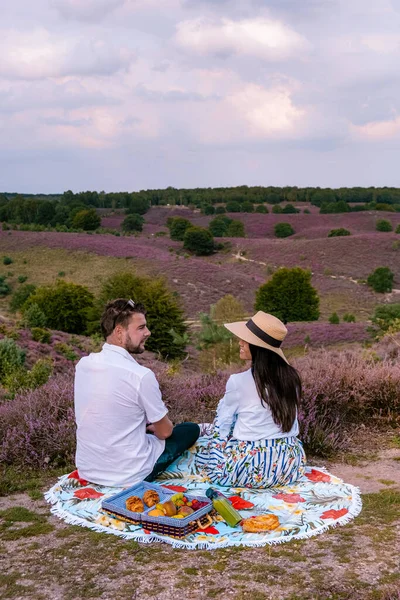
(114, 398)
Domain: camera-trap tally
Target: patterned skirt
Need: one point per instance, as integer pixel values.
(255, 464)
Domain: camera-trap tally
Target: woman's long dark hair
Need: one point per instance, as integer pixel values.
(278, 385)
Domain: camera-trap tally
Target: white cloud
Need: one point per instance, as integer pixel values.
(86, 10)
(264, 38)
(39, 54)
(378, 130)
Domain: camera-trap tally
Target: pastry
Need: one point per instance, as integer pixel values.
(151, 498)
(260, 523)
(134, 504)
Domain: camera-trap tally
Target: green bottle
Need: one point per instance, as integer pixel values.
(224, 507)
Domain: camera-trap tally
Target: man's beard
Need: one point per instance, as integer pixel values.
(131, 348)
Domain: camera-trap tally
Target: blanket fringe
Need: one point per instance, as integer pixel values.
(57, 510)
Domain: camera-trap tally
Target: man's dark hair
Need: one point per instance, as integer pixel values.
(118, 312)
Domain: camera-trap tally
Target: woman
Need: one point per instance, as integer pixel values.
(254, 438)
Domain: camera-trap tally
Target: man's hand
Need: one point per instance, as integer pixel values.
(162, 429)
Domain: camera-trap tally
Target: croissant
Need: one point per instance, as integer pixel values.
(151, 498)
(260, 523)
(134, 504)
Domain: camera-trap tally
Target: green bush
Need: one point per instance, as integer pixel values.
(349, 318)
(177, 228)
(383, 225)
(41, 335)
(21, 295)
(22, 278)
(397, 228)
(334, 319)
(233, 206)
(164, 312)
(339, 232)
(220, 210)
(133, 222)
(283, 230)
(12, 357)
(381, 280)
(66, 351)
(87, 219)
(7, 260)
(277, 209)
(306, 211)
(247, 207)
(235, 229)
(290, 209)
(219, 225)
(21, 379)
(34, 316)
(261, 209)
(5, 289)
(289, 296)
(209, 209)
(199, 241)
(64, 305)
(385, 315)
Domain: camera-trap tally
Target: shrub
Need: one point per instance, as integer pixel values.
(4, 286)
(7, 260)
(289, 296)
(20, 296)
(177, 228)
(219, 225)
(12, 357)
(66, 351)
(64, 305)
(209, 209)
(61, 274)
(261, 209)
(233, 206)
(283, 230)
(385, 315)
(349, 318)
(247, 207)
(306, 211)
(34, 316)
(220, 210)
(339, 232)
(87, 219)
(22, 278)
(235, 229)
(334, 319)
(381, 280)
(290, 209)
(163, 311)
(41, 335)
(277, 209)
(199, 241)
(227, 310)
(21, 379)
(383, 225)
(37, 429)
(132, 222)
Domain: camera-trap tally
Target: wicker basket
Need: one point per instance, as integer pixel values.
(178, 528)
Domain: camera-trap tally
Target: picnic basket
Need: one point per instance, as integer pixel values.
(178, 528)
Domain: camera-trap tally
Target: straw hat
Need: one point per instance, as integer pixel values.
(262, 330)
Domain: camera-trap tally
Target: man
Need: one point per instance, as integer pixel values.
(124, 434)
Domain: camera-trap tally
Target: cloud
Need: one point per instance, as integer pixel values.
(263, 38)
(378, 130)
(40, 54)
(86, 10)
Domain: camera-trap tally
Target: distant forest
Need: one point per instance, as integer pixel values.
(61, 210)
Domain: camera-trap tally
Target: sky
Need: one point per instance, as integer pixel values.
(123, 95)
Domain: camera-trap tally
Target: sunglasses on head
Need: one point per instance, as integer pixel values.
(130, 303)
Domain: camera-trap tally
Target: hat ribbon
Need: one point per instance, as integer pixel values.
(262, 335)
